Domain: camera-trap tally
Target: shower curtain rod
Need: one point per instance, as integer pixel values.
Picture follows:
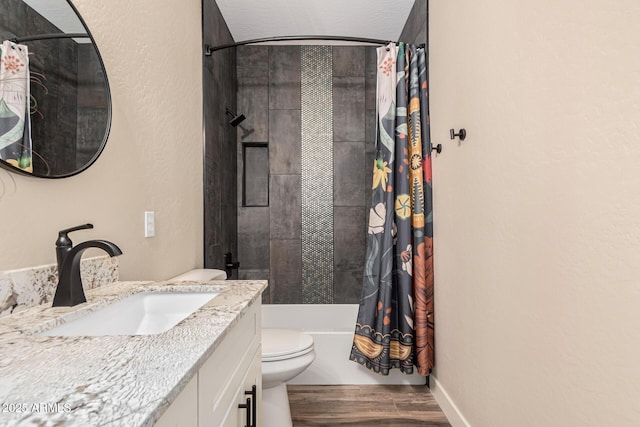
(48, 37)
(208, 50)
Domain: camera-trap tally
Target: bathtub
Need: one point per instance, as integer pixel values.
(331, 326)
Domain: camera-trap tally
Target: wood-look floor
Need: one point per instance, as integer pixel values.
(364, 405)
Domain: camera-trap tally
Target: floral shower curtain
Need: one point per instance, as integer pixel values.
(395, 325)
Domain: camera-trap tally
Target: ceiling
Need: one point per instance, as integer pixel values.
(377, 19)
(59, 14)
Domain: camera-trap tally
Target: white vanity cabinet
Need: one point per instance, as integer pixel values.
(226, 383)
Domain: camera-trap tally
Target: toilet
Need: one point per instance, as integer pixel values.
(286, 353)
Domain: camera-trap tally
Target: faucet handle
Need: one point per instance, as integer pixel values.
(63, 238)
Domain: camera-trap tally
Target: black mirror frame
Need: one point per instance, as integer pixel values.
(9, 167)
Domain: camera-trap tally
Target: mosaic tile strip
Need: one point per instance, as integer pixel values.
(317, 174)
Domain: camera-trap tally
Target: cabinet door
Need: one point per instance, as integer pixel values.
(237, 416)
(222, 377)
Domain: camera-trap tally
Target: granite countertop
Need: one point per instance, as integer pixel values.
(109, 380)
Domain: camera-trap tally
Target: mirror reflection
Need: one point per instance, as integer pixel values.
(54, 95)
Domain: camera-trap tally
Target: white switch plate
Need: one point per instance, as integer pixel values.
(149, 224)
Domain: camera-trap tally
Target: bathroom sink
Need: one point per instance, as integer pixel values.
(140, 314)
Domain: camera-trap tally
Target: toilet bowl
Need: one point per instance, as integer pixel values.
(286, 353)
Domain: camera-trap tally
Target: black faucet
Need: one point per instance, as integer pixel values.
(69, 291)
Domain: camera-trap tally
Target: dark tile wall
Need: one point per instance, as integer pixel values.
(220, 173)
(284, 77)
(285, 182)
(370, 119)
(351, 175)
(284, 153)
(253, 102)
(269, 239)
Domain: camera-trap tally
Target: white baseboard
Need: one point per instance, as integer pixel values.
(449, 408)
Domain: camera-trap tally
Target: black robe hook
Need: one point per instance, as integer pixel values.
(462, 134)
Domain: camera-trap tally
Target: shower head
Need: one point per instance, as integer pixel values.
(235, 118)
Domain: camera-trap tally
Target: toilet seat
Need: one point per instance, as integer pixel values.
(283, 344)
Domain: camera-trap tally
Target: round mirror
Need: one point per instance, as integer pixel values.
(55, 105)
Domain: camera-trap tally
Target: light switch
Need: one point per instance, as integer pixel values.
(149, 224)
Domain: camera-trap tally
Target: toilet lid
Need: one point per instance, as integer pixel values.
(280, 343)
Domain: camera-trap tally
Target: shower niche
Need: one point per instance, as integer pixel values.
(255, 174)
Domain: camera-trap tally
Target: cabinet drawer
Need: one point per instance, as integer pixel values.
(221, 376)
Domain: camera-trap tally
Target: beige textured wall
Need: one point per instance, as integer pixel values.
(153, 159)
(537, 213)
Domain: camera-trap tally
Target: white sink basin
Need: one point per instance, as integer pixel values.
(140, 314)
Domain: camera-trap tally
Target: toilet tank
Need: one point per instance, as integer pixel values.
(201, 275)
